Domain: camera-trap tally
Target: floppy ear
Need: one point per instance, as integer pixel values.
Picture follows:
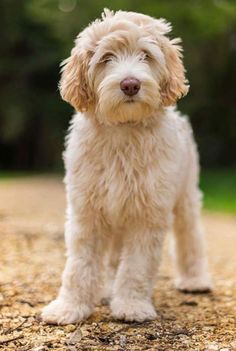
(174, 84)
(74, 85)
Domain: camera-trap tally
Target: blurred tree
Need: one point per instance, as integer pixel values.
(38, 34)
(32, 116)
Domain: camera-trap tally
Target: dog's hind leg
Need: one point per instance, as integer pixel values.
(190, 253)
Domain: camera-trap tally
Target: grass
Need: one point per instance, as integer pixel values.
(218, 185)
(11, 175)
(14, 174)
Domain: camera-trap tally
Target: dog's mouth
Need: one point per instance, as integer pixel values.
(130, 101)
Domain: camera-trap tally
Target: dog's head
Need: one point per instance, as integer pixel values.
(123, 68)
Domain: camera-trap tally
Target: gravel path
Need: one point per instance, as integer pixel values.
(31, 261)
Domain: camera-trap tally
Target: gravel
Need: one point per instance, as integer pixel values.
(32, 259)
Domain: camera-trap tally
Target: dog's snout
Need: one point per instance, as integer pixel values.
(130, 86)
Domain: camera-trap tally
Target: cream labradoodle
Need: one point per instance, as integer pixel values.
(131, 170)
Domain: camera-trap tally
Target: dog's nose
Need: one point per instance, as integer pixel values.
(130, 86)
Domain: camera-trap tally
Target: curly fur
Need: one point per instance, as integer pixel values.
(131, 171)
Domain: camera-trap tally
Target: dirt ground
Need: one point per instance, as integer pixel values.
(31, 262)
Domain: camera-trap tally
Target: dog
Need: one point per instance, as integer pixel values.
(131, 170)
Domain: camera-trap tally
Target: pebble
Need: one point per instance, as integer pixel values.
(212, 347)
(185, 342)
(75, 337)
(84, 331)
(70, 328)
(123, 341)
(72, 348)
(39, 348)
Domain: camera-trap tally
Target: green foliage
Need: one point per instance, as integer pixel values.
(39, 34)
(219, 187)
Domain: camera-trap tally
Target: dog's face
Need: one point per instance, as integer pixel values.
(123, 68)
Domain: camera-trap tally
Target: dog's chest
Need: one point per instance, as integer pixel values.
(130, 179)
(143, 191)
(125, 175)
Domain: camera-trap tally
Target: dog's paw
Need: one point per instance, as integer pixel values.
(63, 312)
(201, 284)
(133, 310)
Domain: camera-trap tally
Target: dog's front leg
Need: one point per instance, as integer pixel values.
(136, 275)
(80, 278)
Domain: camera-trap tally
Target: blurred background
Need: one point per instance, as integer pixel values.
(38, 34)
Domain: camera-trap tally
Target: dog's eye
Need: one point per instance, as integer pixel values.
(145, 56)
(107, 58)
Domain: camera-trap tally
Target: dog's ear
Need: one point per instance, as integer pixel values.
(174, 84)
(74, 84)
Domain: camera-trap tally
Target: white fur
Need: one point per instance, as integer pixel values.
(131, 171)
